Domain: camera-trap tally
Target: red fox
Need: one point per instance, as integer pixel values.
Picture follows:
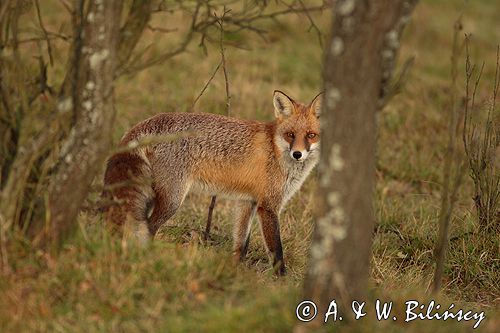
(261, 165)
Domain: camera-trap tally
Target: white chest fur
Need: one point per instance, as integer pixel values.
(297, 174)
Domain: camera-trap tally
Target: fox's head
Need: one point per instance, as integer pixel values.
(297, 130)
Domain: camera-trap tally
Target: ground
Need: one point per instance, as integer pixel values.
(183, 284)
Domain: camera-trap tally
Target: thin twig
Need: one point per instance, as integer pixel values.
(45, 34)
(228, 107)
(223, 60)
(164, 57)
(397, 86)
(313, 25)
(66, 6)
(206, 86)
(453, 166)
(38, 39)
(3, 246)
(160, 29)
(202, 20)
(4, 6)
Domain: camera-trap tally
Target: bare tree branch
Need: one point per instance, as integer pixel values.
(158, 60)
(202, 20)
(205, 86)
(390, 54)
(223, 60)
(453, 168)
(45, 34)
(159, 29)
(312, 24)
(137, 19)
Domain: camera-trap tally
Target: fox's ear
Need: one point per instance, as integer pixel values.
(316, 103)
(283, 105)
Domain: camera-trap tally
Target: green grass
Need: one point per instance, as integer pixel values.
(182, 284)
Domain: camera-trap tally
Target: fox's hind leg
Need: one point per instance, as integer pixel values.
(128, 193)
(244, 213)
(168, 198)
(136, 231)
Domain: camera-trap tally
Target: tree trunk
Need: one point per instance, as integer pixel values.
(358, 68)
(86, 146)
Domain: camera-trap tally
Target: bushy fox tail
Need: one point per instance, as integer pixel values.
(129, 193)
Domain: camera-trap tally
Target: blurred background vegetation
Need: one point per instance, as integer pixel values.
(183, 284)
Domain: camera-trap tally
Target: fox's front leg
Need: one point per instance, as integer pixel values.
(244, 213)
(270, 229)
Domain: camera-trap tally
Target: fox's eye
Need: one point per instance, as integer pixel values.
(290, 135)
(311, 135)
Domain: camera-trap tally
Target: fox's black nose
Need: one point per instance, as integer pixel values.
(297, 155)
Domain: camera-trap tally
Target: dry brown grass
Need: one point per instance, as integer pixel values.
(184, 285)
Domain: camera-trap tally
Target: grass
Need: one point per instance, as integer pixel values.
(181, 284)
